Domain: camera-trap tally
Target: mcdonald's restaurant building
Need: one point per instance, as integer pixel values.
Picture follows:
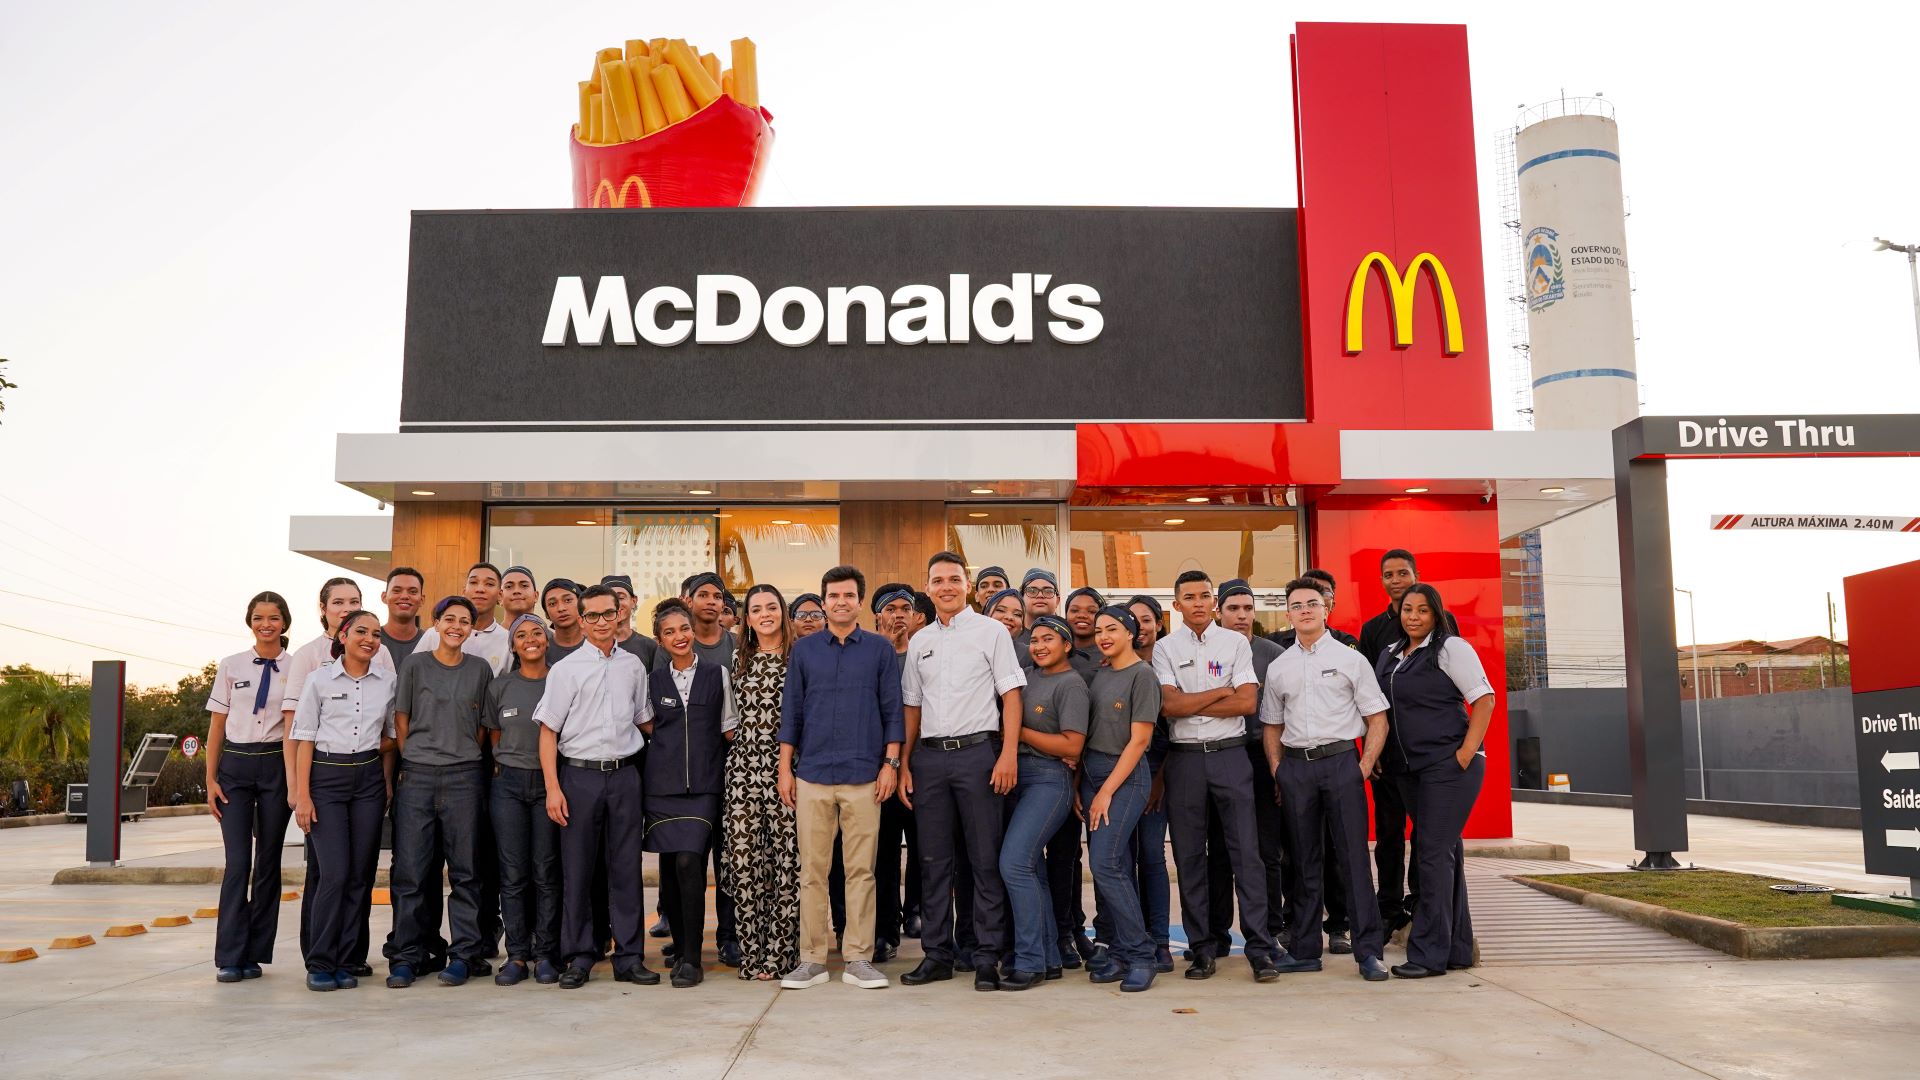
(1118, 394)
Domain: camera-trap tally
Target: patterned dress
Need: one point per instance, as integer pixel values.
(761, 864)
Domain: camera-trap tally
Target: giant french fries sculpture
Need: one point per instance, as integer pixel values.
(663, 124)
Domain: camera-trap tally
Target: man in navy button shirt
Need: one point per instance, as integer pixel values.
(840, 715)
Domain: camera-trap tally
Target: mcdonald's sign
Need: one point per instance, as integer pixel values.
(1400, 301)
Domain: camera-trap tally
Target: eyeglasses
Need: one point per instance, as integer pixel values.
(1042, 592)
(1306, 605)
(600, 616)
(809, 616)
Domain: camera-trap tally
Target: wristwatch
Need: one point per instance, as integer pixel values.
(891, 763)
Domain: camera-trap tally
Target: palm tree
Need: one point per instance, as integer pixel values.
(1038, 541)
(42, 716)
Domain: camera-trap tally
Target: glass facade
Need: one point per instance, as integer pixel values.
(1010, 537)
(1129, 550)
(659, 547)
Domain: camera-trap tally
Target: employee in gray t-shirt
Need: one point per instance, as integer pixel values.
(527, 841)
(437, 799)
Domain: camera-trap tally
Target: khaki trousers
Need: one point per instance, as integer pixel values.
(821, 812)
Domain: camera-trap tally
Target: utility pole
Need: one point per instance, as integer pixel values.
(1833, 659)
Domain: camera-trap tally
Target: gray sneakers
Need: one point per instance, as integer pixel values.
(862, 974)
(807, 975)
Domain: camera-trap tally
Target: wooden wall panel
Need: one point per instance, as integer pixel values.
(892, 540)
(439, 539)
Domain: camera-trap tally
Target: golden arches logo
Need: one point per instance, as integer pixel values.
(605, 195)
(1400, 300)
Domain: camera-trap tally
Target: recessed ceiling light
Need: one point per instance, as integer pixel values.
(982, 491)
(1174, 521)
(1416, 491)
(699, 491)
(1143, 553)
(422, 493)
(722, 515)
(781, 521)
(586, 521)
(978, 514)
(1196, 498)
(796, 543)
(1553, 490)
(363, 558)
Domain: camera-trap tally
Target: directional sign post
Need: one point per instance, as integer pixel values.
(1886, 719)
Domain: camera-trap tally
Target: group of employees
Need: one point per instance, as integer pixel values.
(986, 726)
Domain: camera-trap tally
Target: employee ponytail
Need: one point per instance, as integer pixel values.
(274, 598)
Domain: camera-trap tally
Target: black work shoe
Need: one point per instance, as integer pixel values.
(930, 970)
(1264, 969)
(573, 978)
(1018, 980)
(1411, 970)
(1286, 964)
(1340, 943)
(511, 973)
(639, 974)
(1054, 973)
(986, 978)
(659, 928)
(1374, 969)
(687, 974)
(358, 971)
(1162, 959)
(729, 953)
(1202, 968)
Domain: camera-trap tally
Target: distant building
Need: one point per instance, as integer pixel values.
(1741, 668)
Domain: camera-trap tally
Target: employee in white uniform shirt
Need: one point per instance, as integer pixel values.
(590, 740)
(489, 640)
(961, 693)
(1207, 690)
(342, 745)
(338, 597)
(1320, 696)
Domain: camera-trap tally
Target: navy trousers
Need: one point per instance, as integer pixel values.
(954, 804)
(1221, 781)
(349, 793)
(528, 843)
(253, 828)
(1399, 880)
(437, 815)
(1440, 797)
(1318, 796)
(604, 825)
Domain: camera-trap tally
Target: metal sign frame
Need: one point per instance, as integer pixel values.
(1641, 449)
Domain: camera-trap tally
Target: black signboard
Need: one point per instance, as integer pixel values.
(1886, 739)
(900, 316)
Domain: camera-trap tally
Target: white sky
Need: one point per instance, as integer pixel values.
(203, 237)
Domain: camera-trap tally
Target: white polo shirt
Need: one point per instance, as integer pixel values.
(1321, 694)
(1193, 663)
(955, 672)
(340, 714)
(310, 658)
(494, 644)
(595, 702)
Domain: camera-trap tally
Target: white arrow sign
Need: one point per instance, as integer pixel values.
(1891, 761)
(1906, 838)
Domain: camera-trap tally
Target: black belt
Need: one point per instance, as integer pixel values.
(1213, 747)
(960, 743)
(363, 757)
(602, 764)
(1324, 750)
(252, 749)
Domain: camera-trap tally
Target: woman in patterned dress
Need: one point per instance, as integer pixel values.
(761, 866)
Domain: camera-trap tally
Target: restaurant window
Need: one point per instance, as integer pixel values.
(659, 547)
(1013, 538)
(1124, 551)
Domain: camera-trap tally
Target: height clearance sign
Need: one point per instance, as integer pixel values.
(1832, 522)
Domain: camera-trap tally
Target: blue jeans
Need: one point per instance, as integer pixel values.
(436, 812)
(1040, 802)
(1156, 887)
(529, 847)
(1110, 854)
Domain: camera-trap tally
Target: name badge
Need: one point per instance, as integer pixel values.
(1329, 674)
(508, 714)
(341, 696)
(928, 655)
(242, 684)
(669, 703)
(1184, 664)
